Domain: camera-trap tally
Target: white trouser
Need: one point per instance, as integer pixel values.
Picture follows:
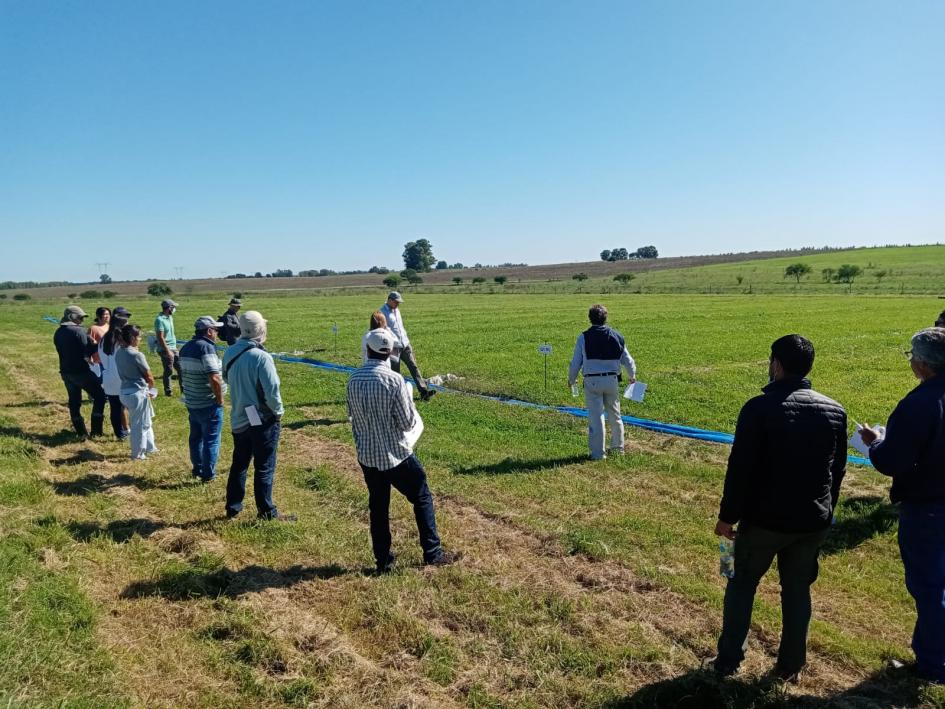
(602, 394)
(139, 413)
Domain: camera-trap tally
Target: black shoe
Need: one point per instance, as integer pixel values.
(194, 474)
(427, 395)
(785, 675)
(387, 567)
(206, 480)
(230, 514)
(281, 518)
(168, 393)
(444, 558)
(712, 664)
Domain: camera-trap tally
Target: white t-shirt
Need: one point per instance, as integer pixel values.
(111, 382)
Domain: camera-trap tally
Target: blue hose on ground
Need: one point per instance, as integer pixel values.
(669, 429)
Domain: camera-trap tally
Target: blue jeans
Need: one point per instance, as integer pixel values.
(205, 427)
(410, 479)
(922, 547)
(257, 444)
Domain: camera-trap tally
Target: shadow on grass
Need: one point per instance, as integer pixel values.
(119, 531)
(513, 465)
(190, 582)
(86, 455)
(42, 439)
(295, 425)
(861, 519)
(33, 404)
(699, 689)
(327, 402)
(94, 483)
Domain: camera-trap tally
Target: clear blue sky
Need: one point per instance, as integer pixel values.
(236, 136)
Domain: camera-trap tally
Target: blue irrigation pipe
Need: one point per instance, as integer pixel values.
(670, 429)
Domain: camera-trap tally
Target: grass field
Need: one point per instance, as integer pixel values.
(582, 584)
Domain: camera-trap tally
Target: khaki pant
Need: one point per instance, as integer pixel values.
(602, 394)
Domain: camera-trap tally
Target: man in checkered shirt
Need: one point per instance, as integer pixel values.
(382, 416)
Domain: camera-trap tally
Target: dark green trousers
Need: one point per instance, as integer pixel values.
(755, 549)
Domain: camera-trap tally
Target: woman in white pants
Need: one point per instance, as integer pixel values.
(137, 382)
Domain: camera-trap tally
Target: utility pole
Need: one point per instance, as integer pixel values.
(179, 270)
(102, 267)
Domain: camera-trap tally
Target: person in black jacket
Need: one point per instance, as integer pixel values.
(912, 451)
(74, 348)
(781, 488)
(230, 332)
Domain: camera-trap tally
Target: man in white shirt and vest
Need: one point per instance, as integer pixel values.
(600, 352)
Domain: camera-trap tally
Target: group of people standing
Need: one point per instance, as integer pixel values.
(782, 483)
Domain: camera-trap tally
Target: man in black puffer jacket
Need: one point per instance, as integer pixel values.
(781, 488)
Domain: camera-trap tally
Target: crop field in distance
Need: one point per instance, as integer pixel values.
(583, 584)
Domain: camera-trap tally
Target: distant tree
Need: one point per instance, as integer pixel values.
(457, 266)
(379, 269)
(500, 280)
(105, 279)
(579, 277)
(624, 278)
(3, 296)
(407, 274)
(739, 278)
(415, 280)
(392, 281)
(71, 296)
(620, 254)
(827, 274)
(847, 273)
(268, 275)
(159, 289)
(282, 273)
(797, 271)
(880, 275)
(478, 265)
(457, 280)
(90, 294)
(441, 265)
(418, 255)
(237, 275)
(647, 252)
(22, 296)
(478, 280)
(108, 294)
(605, 255)
(258, 274)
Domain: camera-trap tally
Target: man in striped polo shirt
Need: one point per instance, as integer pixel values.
(203, 386)
(384, 422)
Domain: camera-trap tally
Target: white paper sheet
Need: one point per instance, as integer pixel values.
(413, 435)
(635, 392)
(253, 415)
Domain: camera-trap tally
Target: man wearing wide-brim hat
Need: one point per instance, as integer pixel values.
(74, 348)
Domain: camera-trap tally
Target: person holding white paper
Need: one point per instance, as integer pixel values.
(251, 375)
(599, 353)
(386, 427)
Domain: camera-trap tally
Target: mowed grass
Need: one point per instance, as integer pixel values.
(584, 584)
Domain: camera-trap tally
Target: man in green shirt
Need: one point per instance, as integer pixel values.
(167, 344)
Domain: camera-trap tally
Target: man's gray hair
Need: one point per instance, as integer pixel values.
(928, 346)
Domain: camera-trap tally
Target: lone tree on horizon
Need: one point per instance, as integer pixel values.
(847, 273)
(797, 271)
(418, 255)
(624, 278)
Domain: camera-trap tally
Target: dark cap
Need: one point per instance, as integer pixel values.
(236, 301)
(121, 311)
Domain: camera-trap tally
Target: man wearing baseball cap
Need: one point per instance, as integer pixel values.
(167, 344)
(201, 376)
(74, 348)
(230, 332)
(382, 418)
(403, 352)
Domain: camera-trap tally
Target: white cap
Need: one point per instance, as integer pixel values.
(380, 341)
(252, 325)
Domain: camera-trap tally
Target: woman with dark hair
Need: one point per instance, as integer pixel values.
(377, 322)
(111, 382)
(137, 390)
(102, 318)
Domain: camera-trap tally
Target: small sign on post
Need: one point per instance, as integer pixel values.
(544, 350)
(334, 331)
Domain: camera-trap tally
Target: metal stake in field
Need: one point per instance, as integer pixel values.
(334, 331)
(545, 349)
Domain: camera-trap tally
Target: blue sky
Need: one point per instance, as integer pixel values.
(232, 136)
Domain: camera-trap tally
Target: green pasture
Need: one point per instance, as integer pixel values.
(499, 629)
